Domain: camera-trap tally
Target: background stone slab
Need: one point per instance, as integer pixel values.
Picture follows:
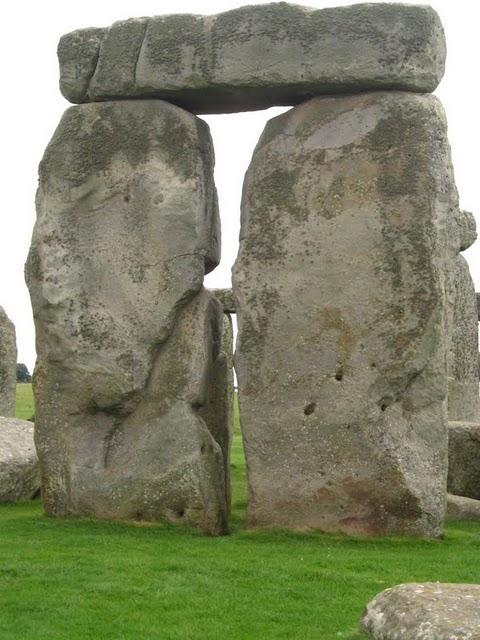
(464, 459)
(226, 298)
(8, 365)
(255, 57)
(19, 468)
(462, 508)
(463, 378)
(340, 290)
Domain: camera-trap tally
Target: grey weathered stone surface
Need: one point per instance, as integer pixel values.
(126, 336)
(462, 508)
(464, 459)
(19, 468)
(463, 378)
(429, 611)
(478, 304)
(218, 411)
(78, 56)
(340, 296)
(8, 365)
(256, 56)
(226, 298)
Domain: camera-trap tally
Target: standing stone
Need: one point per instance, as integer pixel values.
(339, 284)
(19, 468)
(464, 459)
(463, 380)
(8, 365)
(255, 57)
(127, 225)
(218, 411)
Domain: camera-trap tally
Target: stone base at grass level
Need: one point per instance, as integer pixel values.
(340, 302)
(430, 611)
(130, 376)
(19, 468)
(255, 57)
(461, 508)
(464, 459)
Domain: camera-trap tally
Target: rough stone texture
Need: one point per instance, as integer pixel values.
(340, 297)
(127, 338)
(463, 375)
(8, 365)
(19, 468)
(464, 459)
(430, 611)
(78, 56)
(255, 57)
(226, 298)
(461, 508)
(218, 412)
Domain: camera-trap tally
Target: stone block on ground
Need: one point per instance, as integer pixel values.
(341, 346)
(255, 57)
(464, 459)
(127, 225)
(430, 611)
(462, 508)
(19, 468)
(8, 365)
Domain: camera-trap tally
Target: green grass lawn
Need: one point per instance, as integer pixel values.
(78, 579)
(25, 409)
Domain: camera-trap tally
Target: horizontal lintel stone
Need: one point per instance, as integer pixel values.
(255, 57)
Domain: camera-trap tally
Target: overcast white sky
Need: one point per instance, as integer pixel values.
(32, 106)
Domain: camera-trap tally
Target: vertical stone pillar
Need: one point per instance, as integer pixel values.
(463, 396)
(127, 338)
(463, 380)
(218, 411)
(8, 365)
(340, 290)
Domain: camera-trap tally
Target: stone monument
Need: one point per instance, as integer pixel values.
(346, 284)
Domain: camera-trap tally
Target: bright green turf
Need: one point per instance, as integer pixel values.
(77, 579)
(24, 409)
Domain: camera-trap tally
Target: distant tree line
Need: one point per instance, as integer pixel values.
(23, 374)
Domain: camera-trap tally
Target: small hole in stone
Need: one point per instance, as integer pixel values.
(373, 365)
(383, 405)
(126, 198)
(339, 371)
(181, 513)
(309, 408)
(202, 448)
